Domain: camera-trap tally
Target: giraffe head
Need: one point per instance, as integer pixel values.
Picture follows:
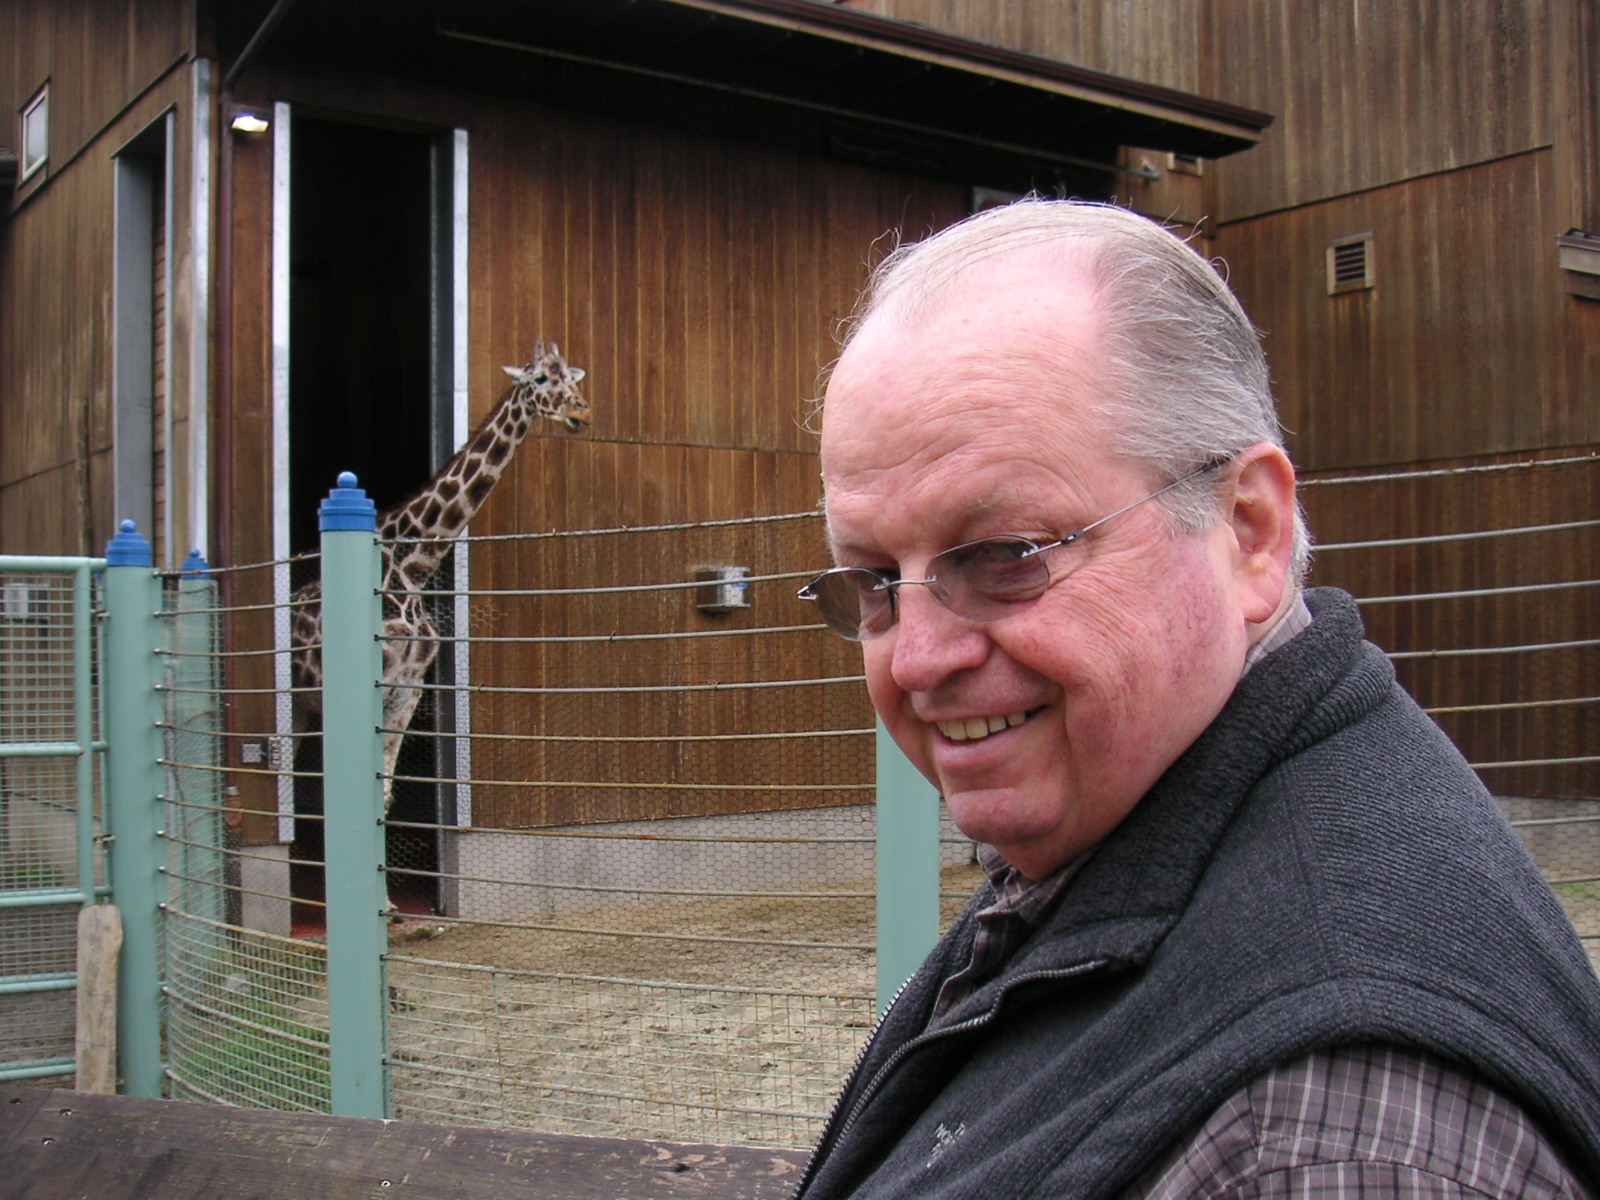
(549, 387)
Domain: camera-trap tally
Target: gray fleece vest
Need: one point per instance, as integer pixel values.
(1320, 868)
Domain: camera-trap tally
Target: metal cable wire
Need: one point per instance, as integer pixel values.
(1476, 535)
(1473, 593)
(1442, 472)
(495, 689)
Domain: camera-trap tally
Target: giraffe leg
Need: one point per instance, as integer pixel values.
(400, 705)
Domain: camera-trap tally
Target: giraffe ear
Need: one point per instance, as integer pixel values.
(514, 372)
(575, 374)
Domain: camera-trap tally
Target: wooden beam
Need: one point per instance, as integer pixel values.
(931, 45)
(58, 1144)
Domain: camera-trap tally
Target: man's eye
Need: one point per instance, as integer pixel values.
(1000, 552)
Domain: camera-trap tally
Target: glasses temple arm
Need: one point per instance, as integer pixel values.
(1212, 465)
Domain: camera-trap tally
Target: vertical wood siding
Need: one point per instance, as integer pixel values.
(56, 263)
(1154, 41)
(1367, 92)
(699, 282)
(56, 353)
(97, 58)
(1459, 349)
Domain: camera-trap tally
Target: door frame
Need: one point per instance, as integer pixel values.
(450, 411)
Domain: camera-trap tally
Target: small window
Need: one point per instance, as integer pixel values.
(1350, 264)
(36, 132)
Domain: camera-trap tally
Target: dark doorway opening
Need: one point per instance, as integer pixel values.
(362, 399)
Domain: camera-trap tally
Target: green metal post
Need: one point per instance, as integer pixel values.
(908, 868)
(133, 800)
(353, 800)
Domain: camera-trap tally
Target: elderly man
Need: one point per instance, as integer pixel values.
(1254, 928)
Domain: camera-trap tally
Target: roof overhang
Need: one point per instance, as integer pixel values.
(850, 83)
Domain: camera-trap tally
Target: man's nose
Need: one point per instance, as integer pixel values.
(931, 643)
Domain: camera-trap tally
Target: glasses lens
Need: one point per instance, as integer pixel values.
(853, 602)
(981, 580)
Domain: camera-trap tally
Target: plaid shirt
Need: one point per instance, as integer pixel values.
(1346, 1124)
(1359, 1122)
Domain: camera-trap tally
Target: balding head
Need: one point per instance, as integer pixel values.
(1183, 379)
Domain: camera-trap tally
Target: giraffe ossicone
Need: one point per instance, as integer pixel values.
(414, 538)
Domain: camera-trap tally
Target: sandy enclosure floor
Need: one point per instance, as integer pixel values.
(693, 1040)
(645, 1037)
(718, 1032)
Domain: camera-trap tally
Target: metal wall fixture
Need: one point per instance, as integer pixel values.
(726, 589)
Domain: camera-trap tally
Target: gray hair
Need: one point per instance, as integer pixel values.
(1187, 381)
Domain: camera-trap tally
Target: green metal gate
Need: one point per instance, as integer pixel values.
(52, 853)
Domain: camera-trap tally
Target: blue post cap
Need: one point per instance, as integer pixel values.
(195, 566)
(129, 548)
(347, 508)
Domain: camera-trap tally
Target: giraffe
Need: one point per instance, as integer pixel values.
(414, 537)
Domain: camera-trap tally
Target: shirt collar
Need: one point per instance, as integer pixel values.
(1291, 622)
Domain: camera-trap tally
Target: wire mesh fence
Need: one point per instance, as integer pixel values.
(51, 857)
(244, 989)
(650, 871)
(632, 887)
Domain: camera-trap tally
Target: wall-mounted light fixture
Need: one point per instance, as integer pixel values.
(250, 122)
(725, 590)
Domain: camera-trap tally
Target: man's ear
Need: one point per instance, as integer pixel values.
(1261, 511)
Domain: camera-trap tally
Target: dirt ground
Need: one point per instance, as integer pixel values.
(701, 1040)
(722, 1029)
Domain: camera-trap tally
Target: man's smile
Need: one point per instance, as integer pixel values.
(972, 729)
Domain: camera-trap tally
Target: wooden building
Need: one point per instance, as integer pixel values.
(246, 245)
(657, 186)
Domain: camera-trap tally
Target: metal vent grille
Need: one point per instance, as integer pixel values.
(1350, 264)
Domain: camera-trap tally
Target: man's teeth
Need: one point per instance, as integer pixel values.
(974, 728)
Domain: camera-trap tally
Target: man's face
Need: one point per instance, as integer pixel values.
(974, 419)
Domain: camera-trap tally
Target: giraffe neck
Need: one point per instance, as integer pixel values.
(420, 530)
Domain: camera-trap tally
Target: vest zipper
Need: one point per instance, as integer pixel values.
(850, 1077)
(916, 1043)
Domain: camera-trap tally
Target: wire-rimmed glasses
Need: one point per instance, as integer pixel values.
(979, 581)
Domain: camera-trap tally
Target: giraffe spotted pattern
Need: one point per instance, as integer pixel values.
(415, 536)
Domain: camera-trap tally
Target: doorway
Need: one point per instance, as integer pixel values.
(362, 315)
